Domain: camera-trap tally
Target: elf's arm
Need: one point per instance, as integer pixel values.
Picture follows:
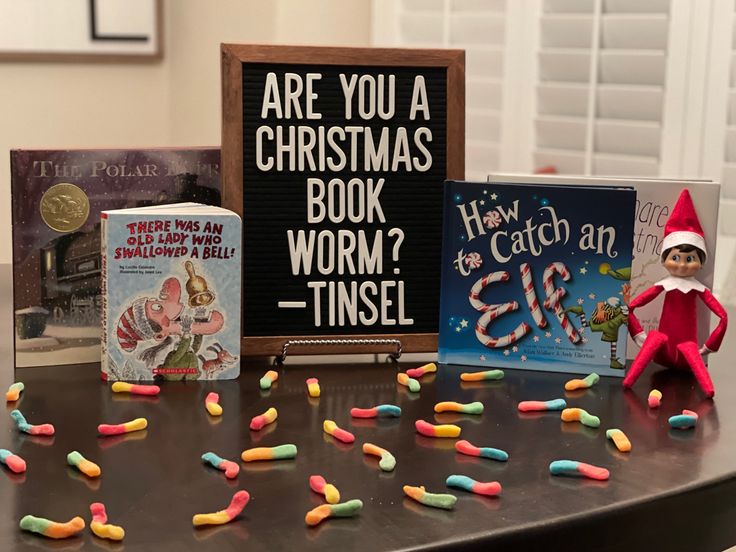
(639, 301)
(713, 343)
(177, 354)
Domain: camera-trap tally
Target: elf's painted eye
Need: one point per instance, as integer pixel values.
(157, 307)
(690, 258)
(675, 258)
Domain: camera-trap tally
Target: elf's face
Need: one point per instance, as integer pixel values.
(682, 264)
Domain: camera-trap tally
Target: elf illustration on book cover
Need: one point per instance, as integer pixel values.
(674, 344)
(536, 277)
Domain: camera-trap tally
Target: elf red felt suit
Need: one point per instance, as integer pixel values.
(675, 342)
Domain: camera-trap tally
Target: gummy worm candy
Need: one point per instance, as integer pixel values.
(318, 484)
(380, 410)
(52, 529)
(90, 469)
(619, 439)
(25, 427)
(240, 499)
(231, 469)
(14, 462)
(687, 420)
(281, 452)
(580, 415)
(464, 447)
(99, 524)
(431, 430)
(331, 428)
(450, 406)
(212, 404)
(655, 398)
(482, 376)
(534, 406)
(268, 379)
(492, 488)
(13, 393)
(387, 462)
(419, 372)
(345, 509)
(133, 425)
(585, 383)
(445, 501)
(413, 385)
(313, 387)
(268, 417)
(135, 389)
(572, 467)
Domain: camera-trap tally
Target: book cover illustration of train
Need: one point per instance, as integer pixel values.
(536, 277)
(171, 293)
(57, 196)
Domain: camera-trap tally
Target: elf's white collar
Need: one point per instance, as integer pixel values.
(683, 284)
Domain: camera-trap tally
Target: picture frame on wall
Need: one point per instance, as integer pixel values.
(81, 30)
(336, 158)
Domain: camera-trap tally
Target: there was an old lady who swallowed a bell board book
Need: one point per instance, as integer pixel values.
(171, 293)
(536, 277)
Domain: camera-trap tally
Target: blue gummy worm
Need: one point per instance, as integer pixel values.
(20, 420)
(212, 458)
(683, 421)
(461, 482)
(556, 404)
(494, 454)
(564, 467)
(388, 410)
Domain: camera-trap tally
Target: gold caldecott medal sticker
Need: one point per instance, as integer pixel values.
(64, 207)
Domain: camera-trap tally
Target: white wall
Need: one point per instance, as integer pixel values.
(173, 102)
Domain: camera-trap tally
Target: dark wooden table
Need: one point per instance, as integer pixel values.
(675, 491)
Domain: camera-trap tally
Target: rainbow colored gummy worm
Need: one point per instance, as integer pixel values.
(238, 502)
(262, 420)
(655, 398)
(491, 488)
(280, 452)
(313, 387)
(99, 525)
(482, 376)
(52, 529)
(134, 425)
(387, 461)
(212, 404)
(422, 370)
(25, 427)
(268, 378)
(537, 406)
(319, 485)
(687, 420)
(344, 509)
(331, 428)
(575, 468)
(585, 383)
(431, 430)
(231, 469)
(619, 439)
(465, 447)
(380, 410)
(413, 385)
(452, 406)
(135, 389)
(580, 415)
(439, 500)
(90, 469)
(14, 391)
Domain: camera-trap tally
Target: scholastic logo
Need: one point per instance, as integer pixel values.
(174, 370)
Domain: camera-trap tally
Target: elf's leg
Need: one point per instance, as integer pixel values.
(615, 364)
(689, 350)
(654, 342)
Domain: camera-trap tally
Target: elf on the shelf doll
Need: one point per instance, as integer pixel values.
(675, 343)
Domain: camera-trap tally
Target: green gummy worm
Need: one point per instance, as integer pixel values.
(439, 500)
(283, 452)
(35, 524)
(346, 509)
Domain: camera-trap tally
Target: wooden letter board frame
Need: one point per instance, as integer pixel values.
(233, 56)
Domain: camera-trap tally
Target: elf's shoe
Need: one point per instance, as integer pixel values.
(616, 365)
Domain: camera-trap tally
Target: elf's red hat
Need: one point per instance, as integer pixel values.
(683, 226)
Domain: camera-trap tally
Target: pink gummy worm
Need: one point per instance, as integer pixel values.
(364, 412)
(240, 499)
(466, 448)
(106, 429)
(258, 422)
(425, 428)
(15, 463)
(492, 488)
(690, 413)
(415, 372)
(312, 380)
(145, 389)
(231, 469)
(317, 483)
(98, 512)
(594, 472)
(343, 435)
(41, 429)
(212, 397)
(532, 406)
